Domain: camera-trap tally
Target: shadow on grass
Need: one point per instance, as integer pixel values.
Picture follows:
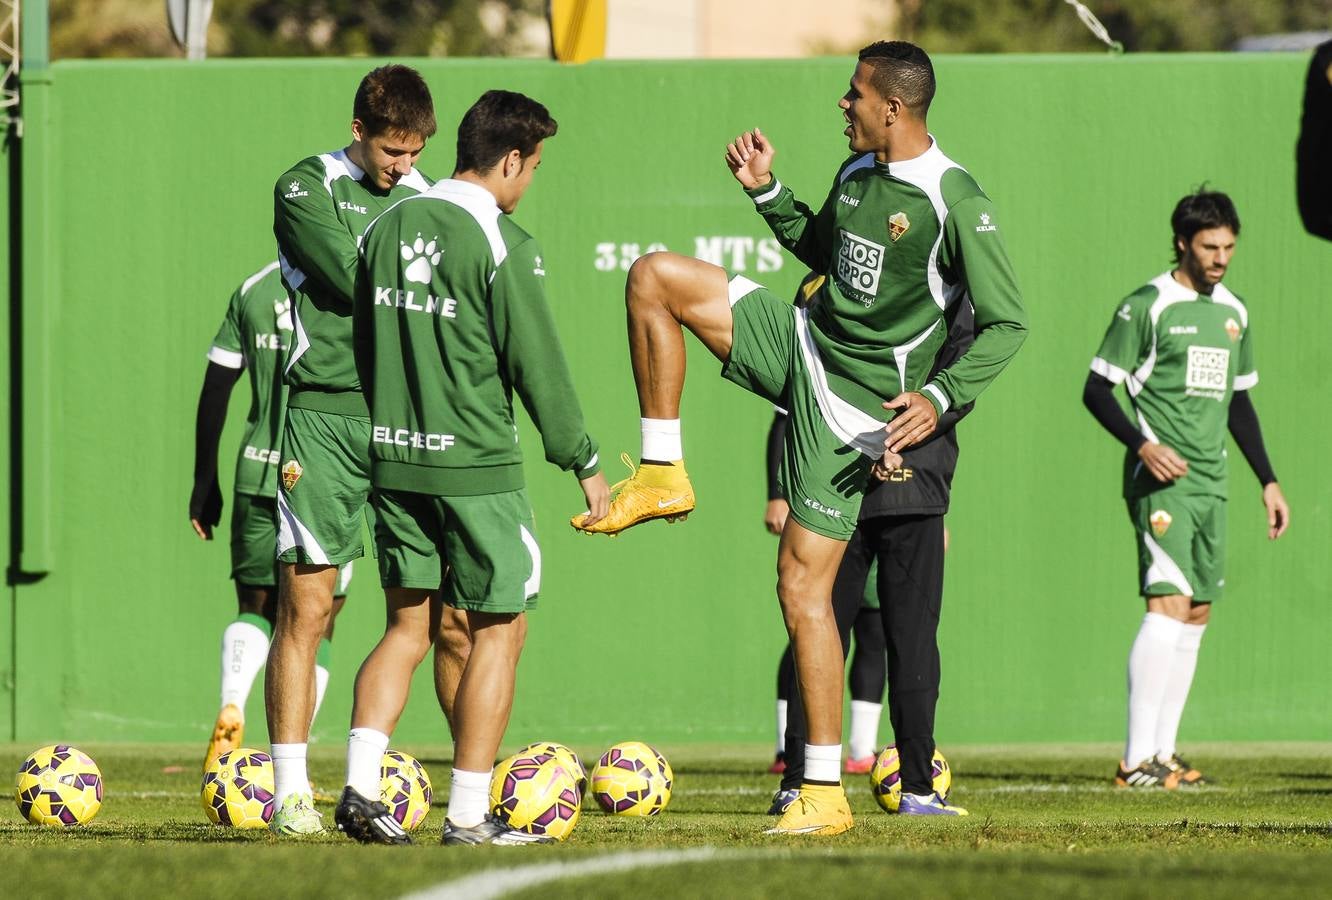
(1017, 779)
(1306, 776)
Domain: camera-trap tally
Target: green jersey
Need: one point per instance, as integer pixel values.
(451, 319)
(254, 336)
(1181, 354)
(901, 243)
(321, 207)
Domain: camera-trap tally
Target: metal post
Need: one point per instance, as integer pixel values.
(37, 293)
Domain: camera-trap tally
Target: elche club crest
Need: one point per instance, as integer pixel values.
(1160, 521)
(898, 223)
(1233, 329)
(291, 473)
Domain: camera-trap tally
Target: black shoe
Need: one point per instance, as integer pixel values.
(490, 831)
(1150, 774)
(367, 821)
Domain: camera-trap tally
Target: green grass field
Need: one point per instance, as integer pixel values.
(1045, 821)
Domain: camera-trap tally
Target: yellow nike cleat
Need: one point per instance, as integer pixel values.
(821, 810)
(650, 492)
(228, 732)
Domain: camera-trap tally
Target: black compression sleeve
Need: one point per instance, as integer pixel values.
(776, 437)
(205, 505)
(1098, 395)
(1248, 435)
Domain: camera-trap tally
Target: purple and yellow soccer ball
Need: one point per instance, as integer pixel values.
(58, 786)
(886, 778)
(564, 755)
(237, 789)
(632, 779)
(536, 793)
(404, 787)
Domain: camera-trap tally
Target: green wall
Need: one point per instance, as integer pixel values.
(159, 204)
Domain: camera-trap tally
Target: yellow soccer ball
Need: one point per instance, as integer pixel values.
(237, 789)
(886, 778)
(536, 793)
(632, 779)
(405, 789)
(58, 786)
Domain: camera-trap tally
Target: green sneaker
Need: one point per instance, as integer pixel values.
(297, 817)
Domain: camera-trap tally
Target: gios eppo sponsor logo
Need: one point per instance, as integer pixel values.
(1208, 372)
(859, 266)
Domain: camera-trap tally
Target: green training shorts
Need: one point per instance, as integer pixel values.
(830, 445)
(323, 487)
(487, 542)
(254, 545)
(254, 540)
(1181, 544)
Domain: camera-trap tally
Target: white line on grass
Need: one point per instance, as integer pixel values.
(497, 882)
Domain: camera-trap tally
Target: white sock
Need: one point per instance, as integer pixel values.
(823, 762)
(1150, 661)
(781, 726)
(365, 755)
(661, 439)
(469, 797)
(244, 652)
(289, 775)
(321, 685)
(864, 728)
(1177, 689)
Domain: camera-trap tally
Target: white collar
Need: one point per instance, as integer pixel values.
(356, 172)
(457, 186)
(906, 168)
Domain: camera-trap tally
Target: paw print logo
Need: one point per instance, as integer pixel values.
(282, 309)
(294, 187)
(421, 258)
(985, 218)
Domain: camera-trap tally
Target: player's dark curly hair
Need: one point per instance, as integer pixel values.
(1199, 211)
(501, 121)
(394, 99)
(901, 69)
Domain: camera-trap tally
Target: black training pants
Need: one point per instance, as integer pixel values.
(910, 585)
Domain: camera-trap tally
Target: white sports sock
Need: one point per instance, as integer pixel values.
(244, 652)
(1177, 689)
(661, 439)
(864, 728)
(321, 685)
(1150, 661)
(365, 755)
(781, 726)
(469, 797)
(823, 762)
(289, 775)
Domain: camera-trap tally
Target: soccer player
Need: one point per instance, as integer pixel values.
(322, 205)
(451, 320)
(902, 237)
(254, 332)
(1181, 346)
(896, 555)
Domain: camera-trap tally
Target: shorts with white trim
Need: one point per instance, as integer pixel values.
(324, 487)
(486, 542)
(1181, 544)
(830, 445)
(254, 545)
